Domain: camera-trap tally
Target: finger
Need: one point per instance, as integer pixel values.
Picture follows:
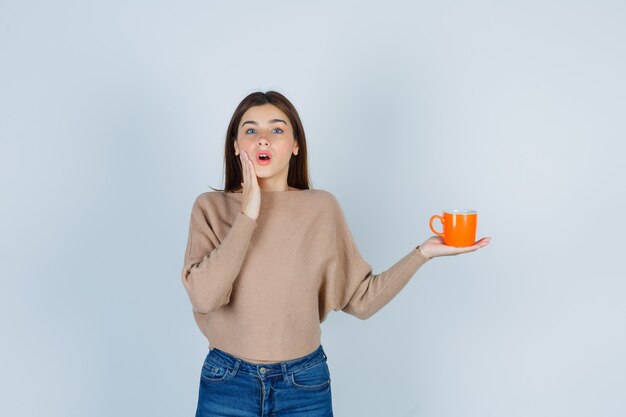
(244, 167)
(251, 174)
(477, 245)
(252, 171)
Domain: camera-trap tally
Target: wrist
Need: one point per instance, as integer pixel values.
(422, 252)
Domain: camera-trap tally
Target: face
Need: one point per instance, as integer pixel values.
(267, 128)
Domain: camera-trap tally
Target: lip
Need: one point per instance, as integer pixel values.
(263, 162)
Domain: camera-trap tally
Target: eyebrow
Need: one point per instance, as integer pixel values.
(252, 122)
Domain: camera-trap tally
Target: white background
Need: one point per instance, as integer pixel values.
(112, 121)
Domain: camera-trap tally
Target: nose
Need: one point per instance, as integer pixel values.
(263, 141)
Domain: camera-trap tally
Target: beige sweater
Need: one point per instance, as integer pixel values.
(260, 289)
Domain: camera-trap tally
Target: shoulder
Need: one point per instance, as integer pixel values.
(321, 195)
(211, 200)
(205, 198)
(326, 200)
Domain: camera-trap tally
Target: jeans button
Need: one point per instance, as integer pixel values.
(262, 370)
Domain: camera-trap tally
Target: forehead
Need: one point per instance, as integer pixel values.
(263, 114)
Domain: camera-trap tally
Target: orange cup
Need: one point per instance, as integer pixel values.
(459, 227)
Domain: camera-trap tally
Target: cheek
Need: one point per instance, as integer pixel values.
(286, 148)
(247, 146)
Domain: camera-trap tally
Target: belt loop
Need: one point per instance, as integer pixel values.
(236, 367)
(283, 365)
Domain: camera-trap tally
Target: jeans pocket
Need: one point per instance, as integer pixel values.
(311, 378)
(215, 372)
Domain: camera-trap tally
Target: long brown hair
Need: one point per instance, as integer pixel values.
(298, 175)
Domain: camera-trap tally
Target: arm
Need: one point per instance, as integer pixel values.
(364, 293)
(210, 266)
(371, 292)
(358, 291)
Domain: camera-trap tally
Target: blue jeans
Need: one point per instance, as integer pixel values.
(232, 387)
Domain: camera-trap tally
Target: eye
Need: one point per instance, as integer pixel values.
(248, 131)
(277, 129)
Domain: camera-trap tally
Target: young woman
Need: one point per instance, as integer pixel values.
(267, 259)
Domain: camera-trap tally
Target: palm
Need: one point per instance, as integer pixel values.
(434, 246)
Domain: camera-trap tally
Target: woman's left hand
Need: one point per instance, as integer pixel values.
(434, 246)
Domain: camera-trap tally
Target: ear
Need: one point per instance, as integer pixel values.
(296, 148)
(236, 148)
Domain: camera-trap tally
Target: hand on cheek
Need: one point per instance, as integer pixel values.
(251, 194)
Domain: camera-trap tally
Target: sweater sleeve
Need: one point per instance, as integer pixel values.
(358, 291)
(210, 267)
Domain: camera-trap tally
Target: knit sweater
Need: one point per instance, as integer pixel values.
(260, 289)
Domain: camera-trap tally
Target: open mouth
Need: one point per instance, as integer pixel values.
(263, 157)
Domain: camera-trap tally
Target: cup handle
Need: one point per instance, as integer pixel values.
(431, 224)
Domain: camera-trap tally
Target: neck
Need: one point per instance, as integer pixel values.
(273, 186)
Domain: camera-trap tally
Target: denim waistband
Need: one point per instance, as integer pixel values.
(268, 369)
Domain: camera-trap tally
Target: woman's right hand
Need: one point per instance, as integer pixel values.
(251, 194)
